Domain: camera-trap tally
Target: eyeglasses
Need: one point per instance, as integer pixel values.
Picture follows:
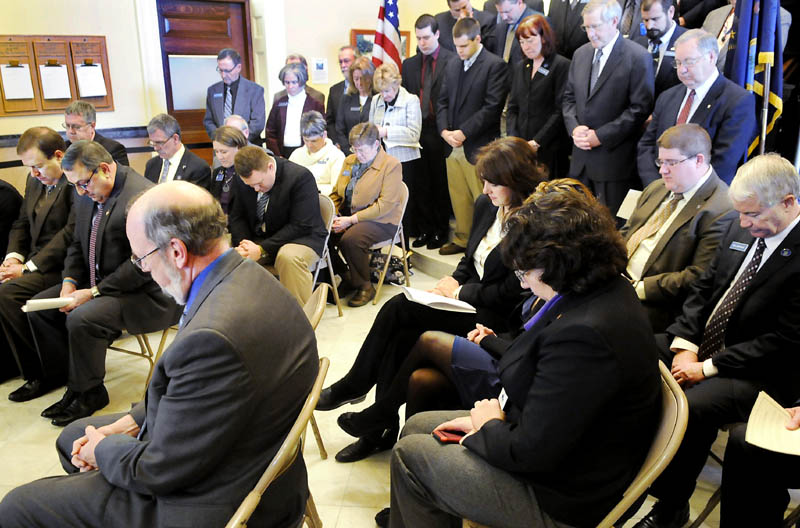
(220, 70)
(68, 126)
(83, 185)
(593, 27)
(671, 163)
(158, 143)
(688, 62)
(363, 150)
(520, 275)
(291, 82)
(138, 261)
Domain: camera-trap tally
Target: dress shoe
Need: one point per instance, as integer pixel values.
(32, 389)
(364, 447)
(382, 518)
(436, 241)
(421, 240)
(451, 249)
(363, 423)
(663, 516)
(362, 297)
(85, 404)
(59, 406)
(330, 399)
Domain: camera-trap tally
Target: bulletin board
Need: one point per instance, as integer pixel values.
(43, 74)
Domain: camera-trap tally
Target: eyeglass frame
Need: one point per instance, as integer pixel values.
(67, 126)
(670, 163)
(137, 261)
(220, 70)
(593, 27)
(160, 144)
(83, 185)
(689, 62)
(520, 274)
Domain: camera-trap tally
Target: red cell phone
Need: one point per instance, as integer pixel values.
(448, 437)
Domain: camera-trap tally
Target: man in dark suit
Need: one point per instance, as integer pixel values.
(725, 110)
(37, 247)
(296, 58)
(608, 96)
(109, 293)
(80, 119)
(692, 13)
(347, 54)
(234, 95)
(458, 9)
(511, 13)
(434, 221)
(275, 218)
(174, 160)
(220, 403)
(471, 100)
(662, 32)
(489, 7)
(670, 243)
(10, 202)
(740, 327)
(567, 23)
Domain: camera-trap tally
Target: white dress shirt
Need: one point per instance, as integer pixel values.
(291, 130)
(174, 161)
(606, 52)
(699, 94)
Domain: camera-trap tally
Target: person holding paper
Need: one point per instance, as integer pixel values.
(80, 119)
(37, 246)
(510, 173)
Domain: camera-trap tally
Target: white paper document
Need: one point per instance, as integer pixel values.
(34, 305)
(628, 204)
(438, 302)
(766, 427)
(55, 83)
(90, 80)
(17, 81)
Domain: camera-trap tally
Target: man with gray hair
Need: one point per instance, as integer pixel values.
(724, 109)
(174, 160)
(320, 155)
(347, 54)
(296, 58)
(221, 401)
(740, 327)
(80, 119)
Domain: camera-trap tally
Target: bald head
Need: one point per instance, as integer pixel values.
(237, 121)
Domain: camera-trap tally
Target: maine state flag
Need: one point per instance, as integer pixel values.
(755, 43)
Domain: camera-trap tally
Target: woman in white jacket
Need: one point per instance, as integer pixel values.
(319, 154)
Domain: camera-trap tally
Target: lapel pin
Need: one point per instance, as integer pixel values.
(786, 252)
(709, 106)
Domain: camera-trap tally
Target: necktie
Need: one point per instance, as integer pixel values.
(573, 3)
(227, 108)
(653, 224)
(164, 171)
(93, 246)
(683, 117)
(714, 334)
(627, 17)
(655, 44)
(426, 83)
(261, 206)
(509, 42)
(595, 70)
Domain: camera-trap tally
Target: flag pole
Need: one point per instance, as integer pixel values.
(765, 108)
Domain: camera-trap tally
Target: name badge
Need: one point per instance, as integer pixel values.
(346, 173)
(669, 53)
(503, 398)
(738, 246)
(220, 176)
(355, 108)
(285, 103)
(543, 70)
(216, 95)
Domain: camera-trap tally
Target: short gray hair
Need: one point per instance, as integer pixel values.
(296, 57)
(312, 124)
(609, 9)
(241, 123)
(769, 178)
(706, 42)
(90, 154)
(297, 69)
(83, 109)
(166, 123)
(200, 227)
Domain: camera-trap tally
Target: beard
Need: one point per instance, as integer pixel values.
(173, 288)
(654, 33)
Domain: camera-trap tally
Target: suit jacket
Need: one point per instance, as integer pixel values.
(616, 109)
(115, 148)
(727, 113)
(144, 307)
(310, 91)
(276, 123)
(376, 196)
(566, 23)
(249, 104)
(446, 23)
(403, 122)
(191, 168)
(685, 250)
(349, 114)
(667, 75)
(412, 78)
(472, 101)
(293, 214)
(500, 31)
(44, 238)
(496, 296)
(334, 100)
(763, 333)
(587, 370)
(10, 202)
(536, 5)
(220, 402)
(694, 11)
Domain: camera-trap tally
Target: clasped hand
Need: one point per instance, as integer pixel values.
(341, 223)
(686, 369)
(79, 296)
(585, 138)
(249, 250)
(482, 412)
(11, 269)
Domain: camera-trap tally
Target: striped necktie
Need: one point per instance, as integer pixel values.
(227, 109)
(653, 224)
(93, 246)
(164, 171)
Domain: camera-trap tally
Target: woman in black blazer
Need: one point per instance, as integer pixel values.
(355, 103)
(227, 142)
(510, 173)
(534, 105)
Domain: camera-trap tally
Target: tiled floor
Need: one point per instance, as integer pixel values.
(347, 495)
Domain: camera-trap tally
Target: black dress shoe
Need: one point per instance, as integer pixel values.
(364, 447)
(663, 516)
(421, 240)
(451, 249)
(85, 404)
(32, 389)
(59, 406)
(333, 398)
(363, 423)
(436, 241)
(382, 518)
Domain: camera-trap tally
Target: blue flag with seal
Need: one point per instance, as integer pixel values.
(755, 59)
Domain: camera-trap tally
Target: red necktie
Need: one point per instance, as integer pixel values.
(683, 117)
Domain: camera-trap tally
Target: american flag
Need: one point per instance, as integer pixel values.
(387, 35)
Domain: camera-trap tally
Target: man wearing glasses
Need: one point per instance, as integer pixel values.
(234, 95)
(80, 119)
(108, 291)
(174, 160)
(677, 224)
(725, 110)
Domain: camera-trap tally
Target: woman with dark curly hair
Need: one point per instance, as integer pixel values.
(580, 390)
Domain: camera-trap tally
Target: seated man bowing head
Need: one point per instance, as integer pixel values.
(275, 217)
(222, 398)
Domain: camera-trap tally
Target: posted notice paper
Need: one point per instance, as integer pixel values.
(766, 427)
(17, 81)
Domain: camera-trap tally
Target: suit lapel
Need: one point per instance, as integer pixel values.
(483, 226)
(614, 58)
(779, 258)
(240, 97)
(218, 102)
(230, 260)
(648, 208)
(708, 101)
(38, 221)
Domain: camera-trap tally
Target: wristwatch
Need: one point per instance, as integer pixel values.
(95, 292)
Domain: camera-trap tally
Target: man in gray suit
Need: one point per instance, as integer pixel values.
(234, 95)
(511, 13)
(678, 222)
(222, 398)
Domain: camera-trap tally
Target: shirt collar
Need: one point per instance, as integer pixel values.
(470, 61)
(665, 38)
(687, 195)
(300, 97)
(176, 158)
(198, 281)
(777, 239)
(608, 47)
(701, 91)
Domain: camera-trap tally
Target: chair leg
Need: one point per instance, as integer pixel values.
(333, 283)
(323, 454)
(383, 274)
(147, 353)
(710, 505)
(792, 518)
(405, 256)
(312, 516)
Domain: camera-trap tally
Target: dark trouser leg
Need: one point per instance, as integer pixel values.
(612, 193)
(411, 176)
(76, 430)
(49, 331)
(355, 244)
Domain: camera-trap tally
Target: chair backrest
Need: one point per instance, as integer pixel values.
(674, 415)
(315, 306)
(399, 233)
(286, 453)
(328, 211)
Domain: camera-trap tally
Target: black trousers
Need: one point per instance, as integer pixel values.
(431, 198)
